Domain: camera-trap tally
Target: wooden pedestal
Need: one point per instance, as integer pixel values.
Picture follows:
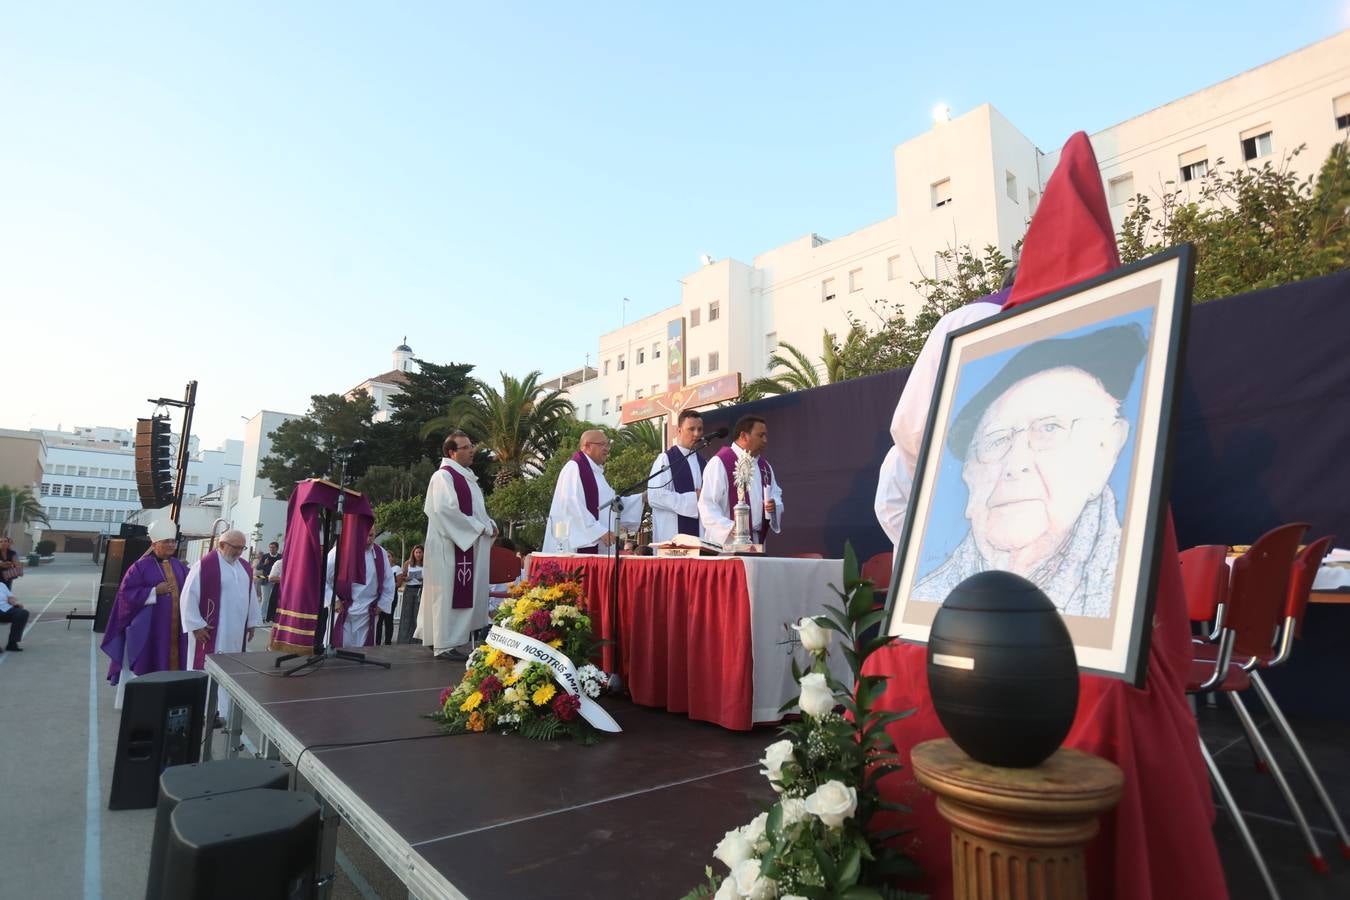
(1018, 833)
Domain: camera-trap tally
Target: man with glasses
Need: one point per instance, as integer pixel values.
(144, 632)
(1037, 446)
(455, 558)
(218, 606)
(580, 518)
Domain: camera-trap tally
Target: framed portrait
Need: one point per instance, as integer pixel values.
(1047, 454)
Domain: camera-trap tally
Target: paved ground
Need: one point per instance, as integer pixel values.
(58, 733)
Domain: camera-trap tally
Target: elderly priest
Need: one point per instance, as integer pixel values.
(580, 516)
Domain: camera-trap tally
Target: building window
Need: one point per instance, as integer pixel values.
(855, 281)
(65, 490)
(604, 407)
(655, 390)
(941, 192)
(606, 372)
(1340, 109)
(770, 343)
(693, 317)
(79, 490)
(103, 473)
(893, 267)
(1194, 164)
(46, 488)
(588, 412)
(693, 367)
(1256, 143)
(1010, 185)
(638, 394)
(656, 351)
(944, 265)
(620, 366)
(642, 356)
(192, 479)
(714, 360)
(618, 404)
(84, 472)
(714, 310)
(101, 494)
(1121, 189)
(1032, 199)
(827, 289)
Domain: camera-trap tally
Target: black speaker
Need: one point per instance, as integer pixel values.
(119, 555)
(162, 717)
(154, 462)
(260, 844)
(179, 784)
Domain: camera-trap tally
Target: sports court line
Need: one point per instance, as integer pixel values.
(93, 875)
(624, 796)
(38, 617)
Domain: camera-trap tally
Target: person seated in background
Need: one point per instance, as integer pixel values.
(13, 612)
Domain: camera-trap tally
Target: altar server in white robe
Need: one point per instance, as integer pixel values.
(750, 438)
(580, 501)
(218, 607)
(355, 619)
(457, 553)
(673, 496)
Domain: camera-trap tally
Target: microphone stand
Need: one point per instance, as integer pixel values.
(615, 507)
(330, 614)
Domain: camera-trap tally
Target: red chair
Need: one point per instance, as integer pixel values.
(1204, 575)
(878, 571)
(1257, 593)
(503, 566)
(1305, 569)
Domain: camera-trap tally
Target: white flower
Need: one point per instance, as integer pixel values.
(591, 687)
(754, 831)
(794, 810)
(750, 884)
(832, 803)
(733, 849)
(817, 699)
(775, 756)
(727, 890)
(813, 637)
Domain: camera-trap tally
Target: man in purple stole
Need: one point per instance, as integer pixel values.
(144, 634)
(358, 603)
(580, 518)
(459, 543)
(677, 478)
(219, 607)
(720, 494)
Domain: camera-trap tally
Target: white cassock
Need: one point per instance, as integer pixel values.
(439, 625)
(569, 505)
(667, 504)
(239, 611)
(359, 615)
(715, 514)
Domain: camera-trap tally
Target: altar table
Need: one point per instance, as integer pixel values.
(709, 637)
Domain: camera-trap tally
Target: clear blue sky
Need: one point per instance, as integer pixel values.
(268, 197)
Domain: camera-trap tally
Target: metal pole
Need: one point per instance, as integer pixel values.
(190, 402)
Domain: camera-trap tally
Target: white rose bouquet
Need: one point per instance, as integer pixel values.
(815, 840)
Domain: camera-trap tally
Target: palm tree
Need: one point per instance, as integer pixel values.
(648, 435)
(799, 375)
(520, 424)
(859, 354)
(27, 508)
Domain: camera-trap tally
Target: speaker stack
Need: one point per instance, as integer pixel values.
(162, 715)
(119, 555)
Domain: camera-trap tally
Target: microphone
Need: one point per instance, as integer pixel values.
(719, 433)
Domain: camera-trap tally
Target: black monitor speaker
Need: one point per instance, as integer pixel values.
(260, 844)
(162, 716)
(119, 555)
(216, 778)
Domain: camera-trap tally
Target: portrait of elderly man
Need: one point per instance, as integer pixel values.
(1037, 445)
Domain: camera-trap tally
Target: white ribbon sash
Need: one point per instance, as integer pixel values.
(515, 644)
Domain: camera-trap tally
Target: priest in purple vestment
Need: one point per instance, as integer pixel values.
(720, 495)
(144, 632)
(677, 479)
(582, 517)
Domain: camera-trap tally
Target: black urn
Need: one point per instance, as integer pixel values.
(1002, 671)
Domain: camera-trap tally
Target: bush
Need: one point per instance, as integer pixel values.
(45, 548)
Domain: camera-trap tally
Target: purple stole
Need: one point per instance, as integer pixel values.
(461, 597)
(209, 605)
(683, 481)
(728, 458)
(379, 594)
(589, 489)
(302, 575)
(146, 633)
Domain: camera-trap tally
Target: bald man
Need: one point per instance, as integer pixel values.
(578, 520)
(218, 605)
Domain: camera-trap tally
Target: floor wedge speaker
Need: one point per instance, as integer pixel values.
(161, 726)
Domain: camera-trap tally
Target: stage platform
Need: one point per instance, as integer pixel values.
(485, 816)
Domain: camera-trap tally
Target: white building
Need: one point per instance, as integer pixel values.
(385, 386)
(974, 180)
(255, 510)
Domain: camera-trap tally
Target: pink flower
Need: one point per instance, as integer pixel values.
(445, 694)
(540, 619)
(565, 707)
(489, 687)
(547, 635)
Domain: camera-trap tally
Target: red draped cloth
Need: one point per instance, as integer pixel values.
(683, 631)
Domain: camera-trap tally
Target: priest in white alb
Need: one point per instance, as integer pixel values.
(677, 478)
(457, 553)
(218, 606)
(717, 502)
(356, 615)
(582, 516)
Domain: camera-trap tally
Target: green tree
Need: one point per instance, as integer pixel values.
(1252, 227)
(797, 373)
(304, 447)
(427, 394)
(382, 484)
(26, 507)
(405, 521)
(649, 435)
(861, 352)
(521, 425)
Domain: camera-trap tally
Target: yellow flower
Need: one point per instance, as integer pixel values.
(492, 656)
(543, 695)
(512, 678)
(472, 701)
(555, 643)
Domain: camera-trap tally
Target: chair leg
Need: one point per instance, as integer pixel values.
(1240, 823)
(1315, 857)
(1283, 724)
